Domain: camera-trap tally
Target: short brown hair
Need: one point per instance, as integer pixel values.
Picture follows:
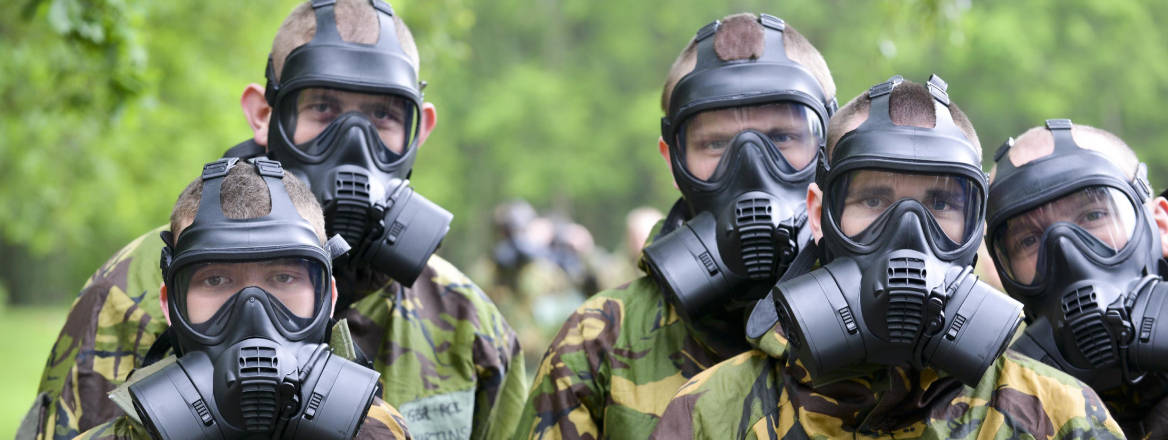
(243, 195)
(1038, 142)
(909, 104)
(739, 37)
(357, 22)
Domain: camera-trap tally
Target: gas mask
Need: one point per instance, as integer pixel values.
(1081, 253)
(249, 307)
(742, 136)
(345, 119)
(902, 217)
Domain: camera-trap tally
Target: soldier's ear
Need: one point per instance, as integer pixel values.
(256, 111)
(162, 299)
(333, 307)
(663, 149)
(815, 211)
(429, 120)
(1160, 215)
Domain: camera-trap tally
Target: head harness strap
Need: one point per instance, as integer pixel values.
(214, 173)
(773, 50)
(327, 33)
(771, 74)
(1064, 144)
(880, 142)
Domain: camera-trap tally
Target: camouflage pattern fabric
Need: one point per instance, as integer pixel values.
(382, 421)
(448, 360)
(611, 369)
(763, 394)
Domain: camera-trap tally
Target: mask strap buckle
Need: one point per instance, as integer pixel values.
(272, 87)
(167, 256)
(1003, 150)
(217, 169)
(878, 97)
(938, 88)
(773, 29)
(273, 175)
(337, 246)
(1140, 183)
(382, 6)
(1060, 129)
(268, 168)
(213, 174)
(885, 87)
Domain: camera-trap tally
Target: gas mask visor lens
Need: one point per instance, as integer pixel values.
(299, 285)
(793, 130)
(867, 198)
(390, 120)
(1103, 216)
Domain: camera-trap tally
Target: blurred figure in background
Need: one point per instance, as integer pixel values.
(535, 272)
(574, 251)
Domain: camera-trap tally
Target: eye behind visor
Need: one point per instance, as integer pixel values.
(793, 129)
(308, 113)
(1104, 214)
(202, 289)
(863, 198)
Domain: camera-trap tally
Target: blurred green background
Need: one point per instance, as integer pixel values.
(109, 107)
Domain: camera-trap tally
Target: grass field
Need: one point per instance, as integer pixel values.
(26, 335)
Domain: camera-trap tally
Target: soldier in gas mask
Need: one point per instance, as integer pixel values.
(892, 336)
(342, 110)
(745, 106)
(1077, 237)
(249, 292)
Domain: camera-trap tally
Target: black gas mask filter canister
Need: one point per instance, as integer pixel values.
(257, 366)
(900, 289)
(364, 92)
(1082, 254)
(748, 213)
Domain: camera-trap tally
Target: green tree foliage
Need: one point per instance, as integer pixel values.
(111, 106)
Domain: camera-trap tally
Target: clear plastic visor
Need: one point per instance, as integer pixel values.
(793, 128)
(203, 288)
(1104, 212)
(307, 112)
(862, 196)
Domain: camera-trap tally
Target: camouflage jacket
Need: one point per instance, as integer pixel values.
(448, 360)
(382, 422)
(611, 369)
(614, 364)
(763, 394)
(1141, 409)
